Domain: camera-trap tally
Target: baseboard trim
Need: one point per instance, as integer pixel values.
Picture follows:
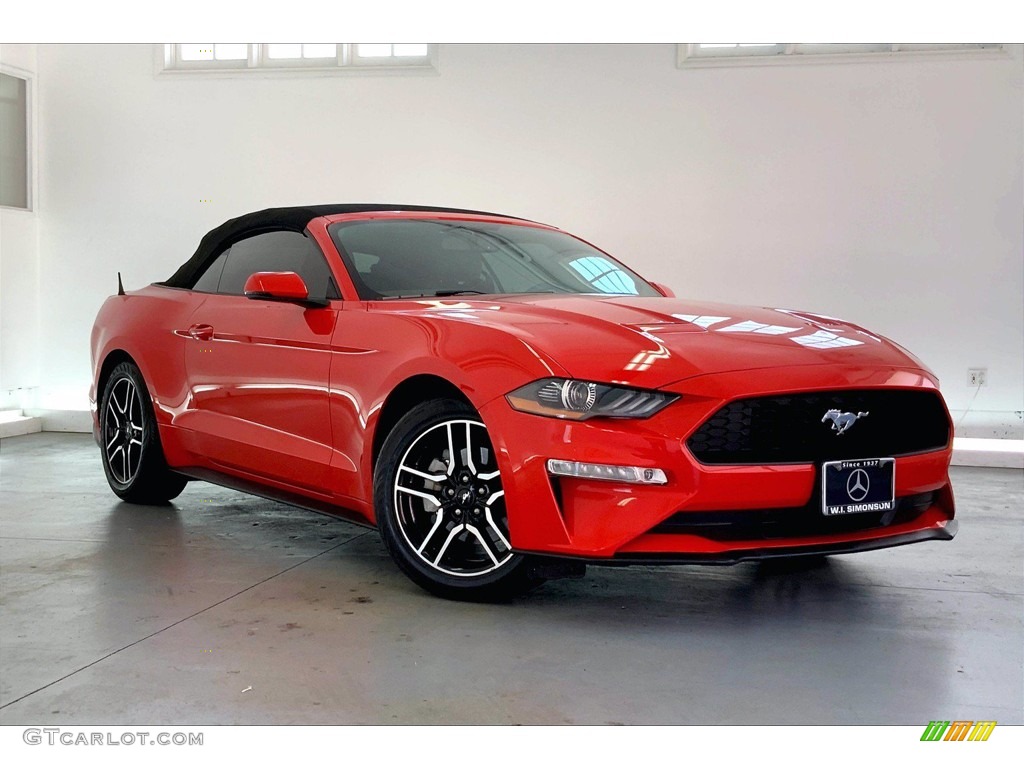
(62, 420)
(988, 452)
(13, 424)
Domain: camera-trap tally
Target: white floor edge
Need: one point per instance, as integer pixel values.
(988, 452)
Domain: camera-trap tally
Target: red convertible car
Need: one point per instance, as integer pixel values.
(507, 403)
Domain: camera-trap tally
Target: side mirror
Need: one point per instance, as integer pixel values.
(280, 286)
(664, 290)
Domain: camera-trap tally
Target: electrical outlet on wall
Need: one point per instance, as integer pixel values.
(977, 377)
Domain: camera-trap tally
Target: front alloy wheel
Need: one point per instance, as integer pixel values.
(441, 506)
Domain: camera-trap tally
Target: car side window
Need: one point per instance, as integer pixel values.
(210, 279)
(274, 252)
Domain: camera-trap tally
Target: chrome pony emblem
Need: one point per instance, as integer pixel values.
(842, 420)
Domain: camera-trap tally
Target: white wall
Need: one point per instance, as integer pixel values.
(19, 273)
(887, 193)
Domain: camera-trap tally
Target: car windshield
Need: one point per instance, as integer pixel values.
(428, 257)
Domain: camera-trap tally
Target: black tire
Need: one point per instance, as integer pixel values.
(133, 459)
(457, 549)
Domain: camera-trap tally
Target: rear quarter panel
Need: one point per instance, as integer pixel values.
(148, 326)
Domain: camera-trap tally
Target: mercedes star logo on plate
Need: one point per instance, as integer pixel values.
(857, 485)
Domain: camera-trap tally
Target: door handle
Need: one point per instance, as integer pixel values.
(201, 332)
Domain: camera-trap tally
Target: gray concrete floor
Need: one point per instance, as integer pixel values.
(225, 608)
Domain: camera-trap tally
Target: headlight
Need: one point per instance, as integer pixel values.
(578, 400)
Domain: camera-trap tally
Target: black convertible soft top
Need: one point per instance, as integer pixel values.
(270, 219)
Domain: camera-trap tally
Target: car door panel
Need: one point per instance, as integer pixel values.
(258, 376)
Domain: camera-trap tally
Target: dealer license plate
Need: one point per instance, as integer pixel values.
(863, 485)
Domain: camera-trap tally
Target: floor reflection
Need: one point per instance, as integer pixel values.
(142, 570)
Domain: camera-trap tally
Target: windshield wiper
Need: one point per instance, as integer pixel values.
(453, 292)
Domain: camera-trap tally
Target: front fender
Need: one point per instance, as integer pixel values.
(375, 352)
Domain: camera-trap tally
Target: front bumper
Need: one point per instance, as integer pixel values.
(944, 532)
(618, 522)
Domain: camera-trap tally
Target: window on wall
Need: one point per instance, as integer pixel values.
(200, 57)
(741, 54)
(391, 50)
(14, 147)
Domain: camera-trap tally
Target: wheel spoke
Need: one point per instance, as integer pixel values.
(495, 495)
(472, 529)
(124, 466)
(451, 535)
(424, 475)
(112, 441)
(132, 469)
(469, 450)
(451, 450)
(438, 519)
(130, 402)
(433, 499)
(488, 475)
(495, 528)
(117, 405)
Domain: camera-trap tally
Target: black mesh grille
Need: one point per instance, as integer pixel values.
(790, 429)
(795, 522)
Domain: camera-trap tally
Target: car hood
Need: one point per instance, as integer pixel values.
(652, 342)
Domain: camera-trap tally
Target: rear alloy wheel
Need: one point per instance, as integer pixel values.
(133, 459)
(441, 506)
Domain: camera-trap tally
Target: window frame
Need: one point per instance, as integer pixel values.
(30, 165)
(168, 62)
(690, 56)
(333, 289)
